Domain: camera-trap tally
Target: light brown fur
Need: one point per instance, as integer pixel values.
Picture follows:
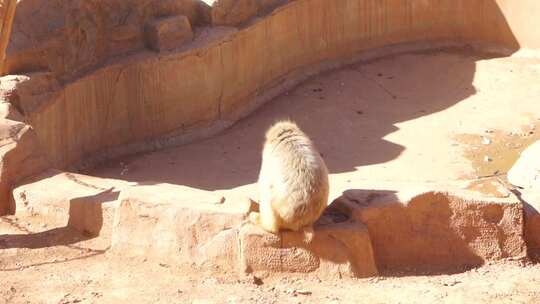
(293, 181)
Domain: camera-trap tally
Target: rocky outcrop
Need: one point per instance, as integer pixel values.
(360, 234)
(437, 231)
(70, 38)
(183, 225)
(20, 154)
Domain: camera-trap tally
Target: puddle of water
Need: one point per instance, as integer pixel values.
(495, 152)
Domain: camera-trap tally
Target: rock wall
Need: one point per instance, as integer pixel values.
(94, 105)
(72, 37)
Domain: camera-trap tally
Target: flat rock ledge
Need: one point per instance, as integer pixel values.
(363, 232)
(437, 231)
(82, 202)
(176, 224)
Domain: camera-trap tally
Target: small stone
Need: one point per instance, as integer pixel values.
(96, 294)
(487, 159)
(452, 283)
(257, 281)
(303, 292)
(486, 141)
(168, 32)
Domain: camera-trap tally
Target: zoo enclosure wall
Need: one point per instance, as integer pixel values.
(149, 100)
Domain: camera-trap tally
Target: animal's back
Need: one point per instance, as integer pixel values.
(294, 178)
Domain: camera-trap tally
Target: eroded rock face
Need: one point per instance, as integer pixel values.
(30, 92)
(233, 12)
(236, 12)
(437, 231)
(20, 155)
(71, 37)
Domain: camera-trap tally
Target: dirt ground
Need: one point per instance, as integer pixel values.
(418, 117)
(82, 273)
(438, 116)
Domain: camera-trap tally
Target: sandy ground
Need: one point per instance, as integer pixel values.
(414, 118)
(421, 117)
(80, 273)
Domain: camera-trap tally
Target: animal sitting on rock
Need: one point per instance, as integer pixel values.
(293, 182)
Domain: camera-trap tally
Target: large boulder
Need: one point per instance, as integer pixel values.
(178, 224)
(431, 231)
(526, 171)
(175, 224)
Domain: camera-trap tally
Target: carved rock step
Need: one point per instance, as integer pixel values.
(183, 225)
(424, 230)
(178, 224)
(83, 202)
(337, 250)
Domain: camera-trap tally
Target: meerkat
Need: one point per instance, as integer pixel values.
(293, 182)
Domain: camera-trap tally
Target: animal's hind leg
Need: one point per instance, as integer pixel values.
(266, 218)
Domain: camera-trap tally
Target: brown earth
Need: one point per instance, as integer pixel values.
(412, 118)
(32, 272)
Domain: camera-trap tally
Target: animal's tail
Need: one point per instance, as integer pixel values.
(309, 234)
